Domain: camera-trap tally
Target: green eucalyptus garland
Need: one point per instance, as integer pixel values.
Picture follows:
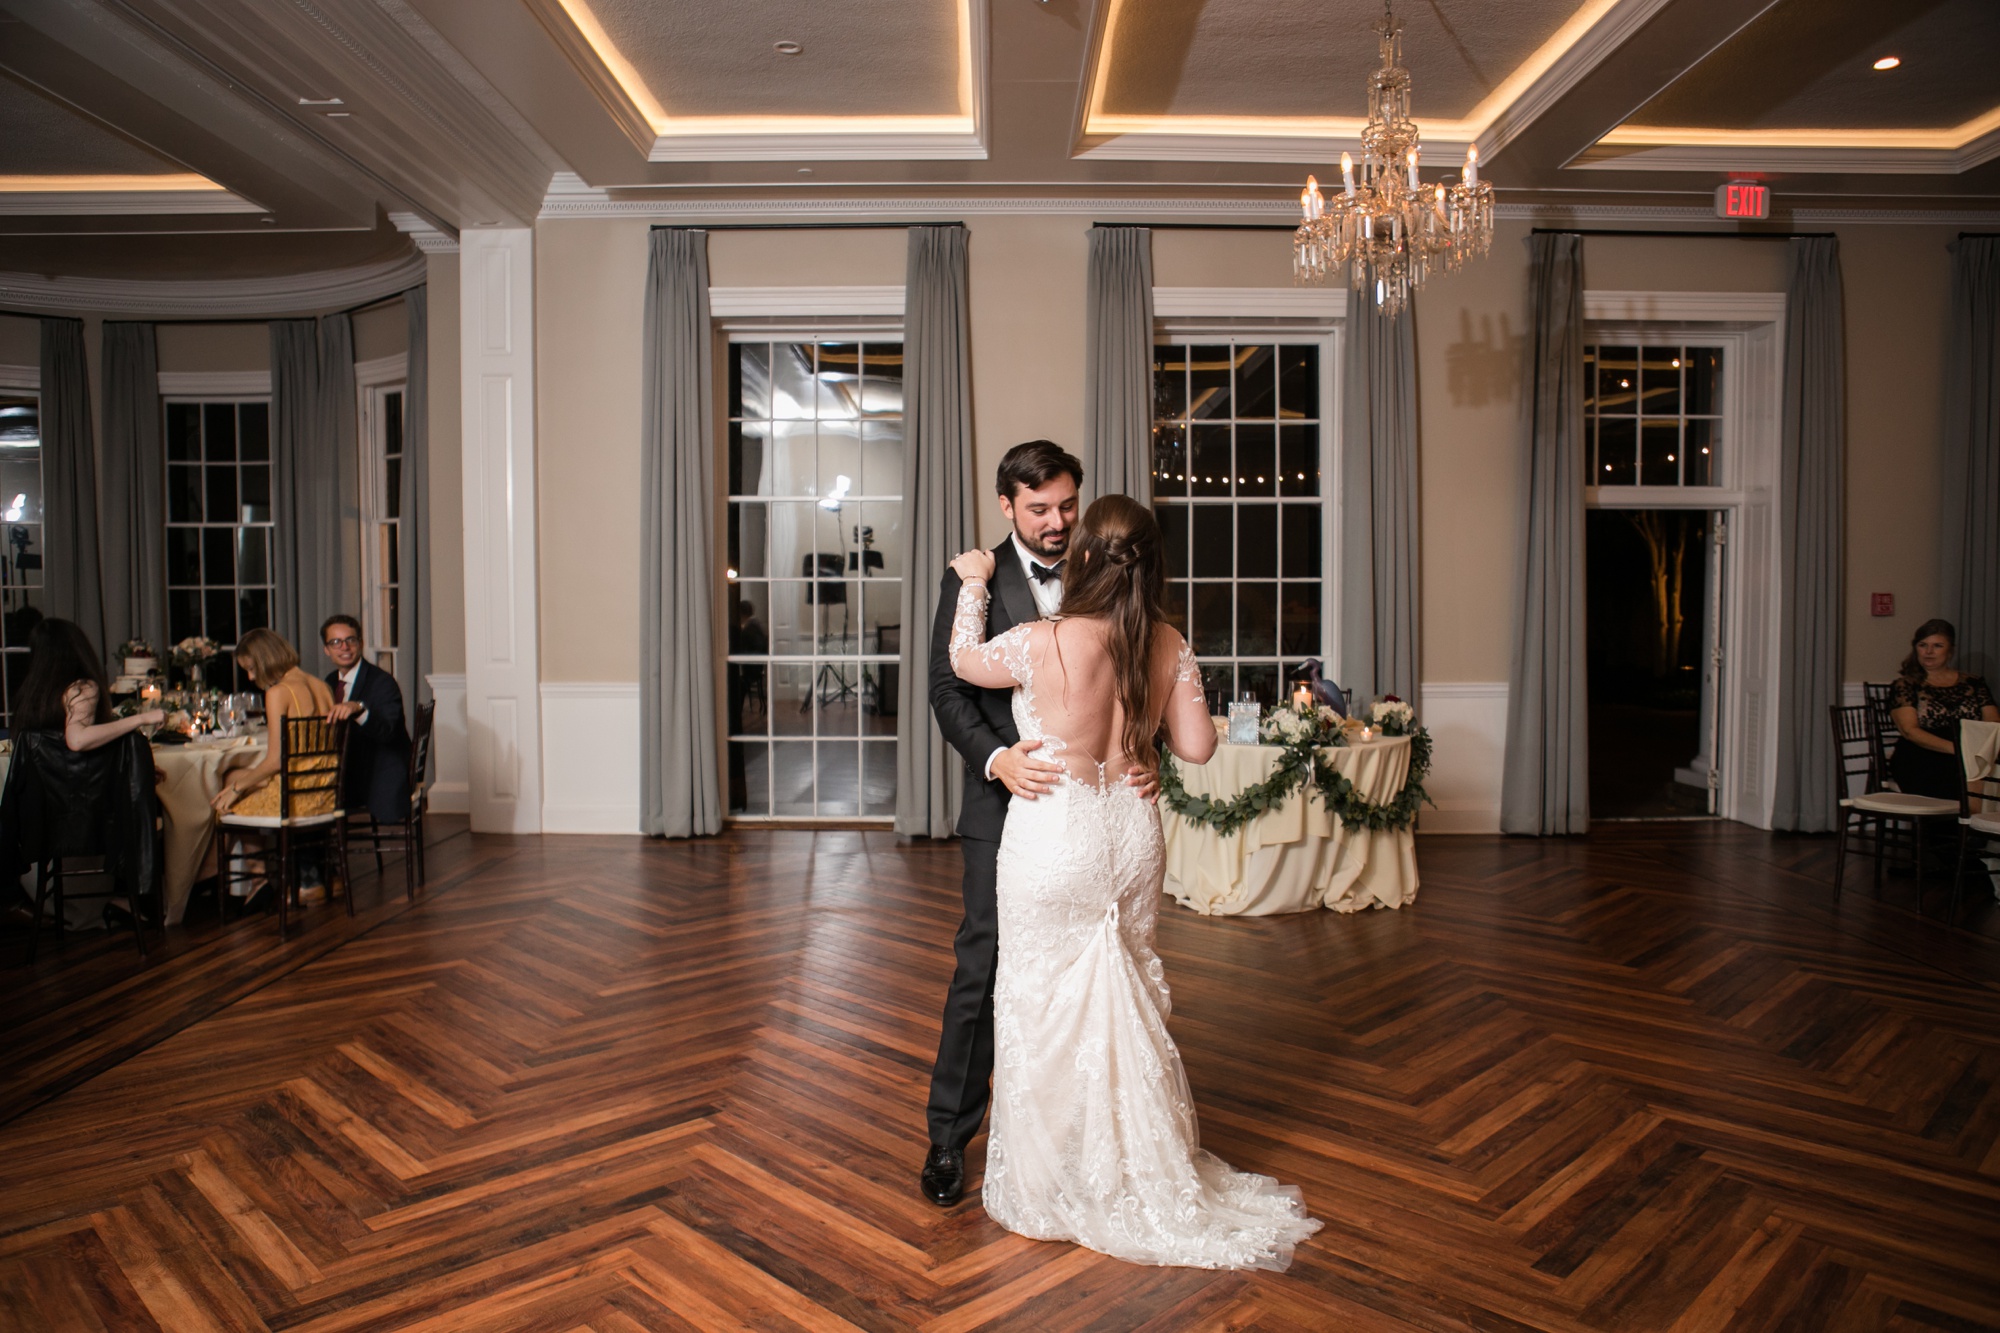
(1299, 763)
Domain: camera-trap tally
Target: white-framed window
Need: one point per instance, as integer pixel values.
(383, 554)
(221, 552)
(1243, 486)
(1654, 412)
(21, 522)
(813, 574)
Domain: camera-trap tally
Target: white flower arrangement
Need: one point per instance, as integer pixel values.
(194, 650)
(1392, 716)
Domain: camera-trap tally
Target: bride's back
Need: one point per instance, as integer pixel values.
(1075, 693)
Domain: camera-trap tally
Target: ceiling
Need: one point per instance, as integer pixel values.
(298, 120)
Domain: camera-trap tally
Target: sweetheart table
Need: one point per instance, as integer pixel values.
(1297, 856)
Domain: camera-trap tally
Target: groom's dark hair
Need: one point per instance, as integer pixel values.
(1034, 465)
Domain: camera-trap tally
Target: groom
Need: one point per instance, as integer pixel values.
(1038, 483)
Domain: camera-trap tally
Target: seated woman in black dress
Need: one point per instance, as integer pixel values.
(1927, 703)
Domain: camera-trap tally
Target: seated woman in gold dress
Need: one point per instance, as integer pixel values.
(273, 665)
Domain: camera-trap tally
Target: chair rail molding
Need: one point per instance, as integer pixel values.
(277, 297)
(502, 653)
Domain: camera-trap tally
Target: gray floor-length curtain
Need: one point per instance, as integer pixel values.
(1118, 366)
(315, 459)
(134, 536)
(1811, 543)
(335, 571)
(1545, 788)
(72, 578)
(1969, 573)
(937, 512)
(680, 792)
(1379, 619)
(413, 609)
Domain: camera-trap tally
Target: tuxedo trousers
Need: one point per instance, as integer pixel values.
(961, 1081)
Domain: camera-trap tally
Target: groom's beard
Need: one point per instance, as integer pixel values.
(1048, 550)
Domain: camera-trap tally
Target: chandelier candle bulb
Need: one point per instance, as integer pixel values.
(1415, 184)
(1347, 173)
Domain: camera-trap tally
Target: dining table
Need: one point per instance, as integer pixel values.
(1297, 856)
(190, 775)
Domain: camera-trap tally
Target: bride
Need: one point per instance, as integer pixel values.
(1093, 1134)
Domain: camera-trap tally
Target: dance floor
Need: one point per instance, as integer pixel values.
(1652, 1080)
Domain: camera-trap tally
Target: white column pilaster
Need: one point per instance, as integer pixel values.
(502, 661)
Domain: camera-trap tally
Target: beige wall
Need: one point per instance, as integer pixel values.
(446, 470)
(209, 348)
(20, 341)
(1027, 306)
(381, 330)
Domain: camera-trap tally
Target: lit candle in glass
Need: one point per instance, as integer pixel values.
(149, 696)
(1302, 695)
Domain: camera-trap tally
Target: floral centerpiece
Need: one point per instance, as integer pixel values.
(1301, 731)
(193, 653)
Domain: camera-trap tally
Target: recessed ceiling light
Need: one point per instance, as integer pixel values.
(787, 48)
(338, 115)
(1888, 62)
(319, 101)
(269, 222)
(805, 171)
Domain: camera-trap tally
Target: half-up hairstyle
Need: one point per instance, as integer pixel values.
(1116, 572)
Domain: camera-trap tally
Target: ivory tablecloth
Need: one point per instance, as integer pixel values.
(1298, 856)
(193, 774)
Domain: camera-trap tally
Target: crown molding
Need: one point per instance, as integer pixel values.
(1688, 307)
(1589, 51)
(121, 203)
(1762, 151)
(803, 302)
(428, 239)
(956, 144)
(215, 383)
(1304, 304)
(291, 294)
(568, 197)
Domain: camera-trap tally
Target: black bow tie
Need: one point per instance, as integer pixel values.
(1046, 573)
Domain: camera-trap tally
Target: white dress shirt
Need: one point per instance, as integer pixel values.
(346, 679)
(1048, 601)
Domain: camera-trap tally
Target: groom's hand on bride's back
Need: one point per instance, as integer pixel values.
(1025, 775)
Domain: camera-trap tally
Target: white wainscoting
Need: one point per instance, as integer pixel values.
(590, 757)
(451, 791)
(1468, 724)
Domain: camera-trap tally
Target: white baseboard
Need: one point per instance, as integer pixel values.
(590, 757)
(451, 786)
(1467, 720)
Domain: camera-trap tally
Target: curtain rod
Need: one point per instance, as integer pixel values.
(803, 226)
(191, 323)
(1724, 235)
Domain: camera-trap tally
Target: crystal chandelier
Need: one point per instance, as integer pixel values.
(1390, 228)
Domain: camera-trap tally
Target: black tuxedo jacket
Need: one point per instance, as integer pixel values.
(378, 750)
(976, 722)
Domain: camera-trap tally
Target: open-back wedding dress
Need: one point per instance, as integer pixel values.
(1093, 1136)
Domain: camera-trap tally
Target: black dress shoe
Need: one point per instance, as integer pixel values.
(943, 1178)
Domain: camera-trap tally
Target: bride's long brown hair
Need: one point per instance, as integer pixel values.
(1116, 572)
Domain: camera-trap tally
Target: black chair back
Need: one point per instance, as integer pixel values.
(315, 755)
(1857, 750)
(1875, 696)
(420, 750)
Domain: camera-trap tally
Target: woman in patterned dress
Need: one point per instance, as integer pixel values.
(1927, 702)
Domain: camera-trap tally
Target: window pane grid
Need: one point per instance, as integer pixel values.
(221, 566)
(813, 570)
(1652, 414)
(1237, 460)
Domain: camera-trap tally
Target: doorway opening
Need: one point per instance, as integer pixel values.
(1653, 591)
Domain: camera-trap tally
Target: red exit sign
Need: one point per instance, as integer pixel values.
(1743, 199)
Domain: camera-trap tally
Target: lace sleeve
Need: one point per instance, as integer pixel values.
(1188, 672)
(1903, 693)
(994, 666)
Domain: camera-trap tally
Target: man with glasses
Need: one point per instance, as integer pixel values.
(378, 744)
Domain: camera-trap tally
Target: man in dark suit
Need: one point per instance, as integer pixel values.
(1037, 483)
(378, 744)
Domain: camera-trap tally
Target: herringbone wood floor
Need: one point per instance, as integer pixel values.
(1649, 1081)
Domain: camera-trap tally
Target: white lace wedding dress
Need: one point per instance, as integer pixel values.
(1093, 1136)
